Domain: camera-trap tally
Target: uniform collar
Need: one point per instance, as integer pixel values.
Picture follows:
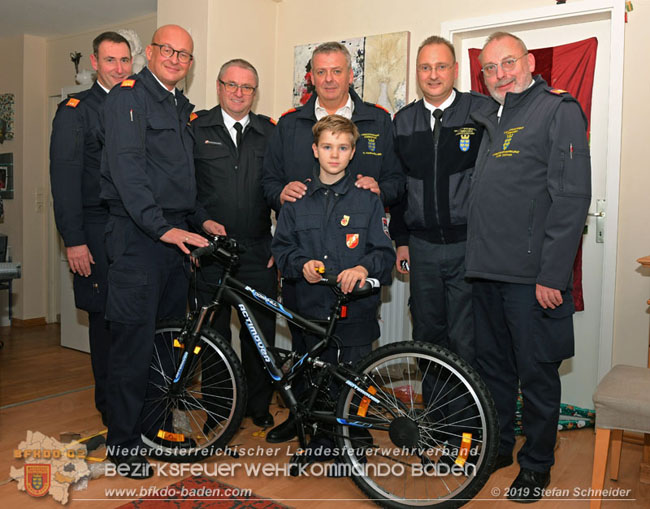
(445, 104)
(340, 187)
(229, 122)
(101, 87)
(346, 110)
(215, 117)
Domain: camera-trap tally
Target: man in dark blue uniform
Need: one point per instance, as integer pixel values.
(289, 159)
(75, 157)
(528, 205)
(230, 141)
(437, 143)
(148, 182)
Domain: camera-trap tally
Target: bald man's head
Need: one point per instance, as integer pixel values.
(170, 54)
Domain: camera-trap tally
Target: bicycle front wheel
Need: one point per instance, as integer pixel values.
(419, 430)
(200, 416)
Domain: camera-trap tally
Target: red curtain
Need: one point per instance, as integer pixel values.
(568, 67)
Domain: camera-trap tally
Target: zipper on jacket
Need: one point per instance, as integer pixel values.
(531, 215)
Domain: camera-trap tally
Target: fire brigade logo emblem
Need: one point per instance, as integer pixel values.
(352, 240)
(37, 479)
(345, 220)
(464, 142)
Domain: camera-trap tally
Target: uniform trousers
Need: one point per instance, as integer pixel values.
(147, 282)
(253, 272)
(441, 298)
(90, 296)
(520, 344)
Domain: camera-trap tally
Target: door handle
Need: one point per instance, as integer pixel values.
(600, 220)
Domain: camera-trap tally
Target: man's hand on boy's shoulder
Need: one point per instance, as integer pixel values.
(293, 191)
(348, 278)
(310, 271)
(369, 183)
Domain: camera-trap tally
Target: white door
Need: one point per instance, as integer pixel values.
(580, 374)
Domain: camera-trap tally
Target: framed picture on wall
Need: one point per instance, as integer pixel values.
(7, 175)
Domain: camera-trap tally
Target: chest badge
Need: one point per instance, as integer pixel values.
(345, 220)
(352, 240)
(464, 142)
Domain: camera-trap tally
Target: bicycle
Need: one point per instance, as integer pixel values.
(413, 423)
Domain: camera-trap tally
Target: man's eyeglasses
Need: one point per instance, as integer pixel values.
(232, 88)
(167, 51)
(507, 65)
(440, 68)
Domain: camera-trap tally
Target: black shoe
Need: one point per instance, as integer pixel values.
(529, 486)
(283, 432)
(133, 467)
(502, 461)
(94, 442)
(264, 421)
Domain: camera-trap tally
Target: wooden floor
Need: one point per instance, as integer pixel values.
(44, 387)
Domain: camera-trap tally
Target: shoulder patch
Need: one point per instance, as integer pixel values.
(72, 102)
(193, 116)
(381, 108)
(291, 110)
(557, 91)
(128, 84)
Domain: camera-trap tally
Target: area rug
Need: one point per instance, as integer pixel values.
(202, 492)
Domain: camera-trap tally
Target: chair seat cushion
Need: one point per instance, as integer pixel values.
(622, 399)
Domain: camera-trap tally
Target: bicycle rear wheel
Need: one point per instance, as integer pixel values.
(203, 416)
(438, 433)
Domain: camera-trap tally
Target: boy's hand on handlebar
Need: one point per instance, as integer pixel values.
(312, 271)
(349, 277)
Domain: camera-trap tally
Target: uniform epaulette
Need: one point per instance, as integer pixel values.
(268, 119)
(290, 110)
(557, 91)
(73, 102)
(381, 108)
(128, 83)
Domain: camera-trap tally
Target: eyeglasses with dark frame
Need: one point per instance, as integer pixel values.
(232, 88)
(167, 51)
(507, 65)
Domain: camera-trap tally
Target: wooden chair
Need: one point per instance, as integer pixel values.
(622, 402)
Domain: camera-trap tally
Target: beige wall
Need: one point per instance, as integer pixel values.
(220, 34)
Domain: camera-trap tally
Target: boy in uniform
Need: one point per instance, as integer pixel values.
(339, 228)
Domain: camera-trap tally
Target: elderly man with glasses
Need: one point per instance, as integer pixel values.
(230, 141)
(148, 183)
(528, 205)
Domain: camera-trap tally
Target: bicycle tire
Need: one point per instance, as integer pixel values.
(202, 418)
(430, 400)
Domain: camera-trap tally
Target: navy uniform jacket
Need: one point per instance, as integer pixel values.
(75, 157)
(289, 156)
(80, 214)
(531, 189)
(438, 176)
(342, 226)
(148, 164)
(229, 182)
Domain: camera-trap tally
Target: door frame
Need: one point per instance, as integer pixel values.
(581, 12)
